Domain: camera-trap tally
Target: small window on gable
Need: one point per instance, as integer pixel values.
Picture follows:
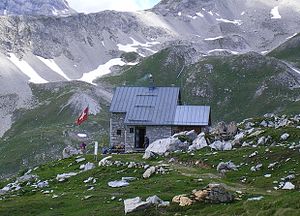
(119, 132)
(131, 130)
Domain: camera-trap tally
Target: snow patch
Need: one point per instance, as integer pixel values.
(275, 13)
(223, 50)
(211, 13)
(200, 14)
(134, 46)
(243, 13)
(291, 36)
(215, 38)
(25, 68)
(102, 70)
(53, 66)
(235, 22)
(179, 13)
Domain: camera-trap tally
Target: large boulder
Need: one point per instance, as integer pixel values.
(198, 143)
(70, 151)
(226, 166)
(218, 194)
(135, 204)
(221, 146)
(162, 146)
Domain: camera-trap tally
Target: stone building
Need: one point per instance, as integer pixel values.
(155, 113)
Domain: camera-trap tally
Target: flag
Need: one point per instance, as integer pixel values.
(83, 116)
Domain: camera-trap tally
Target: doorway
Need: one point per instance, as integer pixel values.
(140, 133)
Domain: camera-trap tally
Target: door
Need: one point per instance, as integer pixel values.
(140, 133)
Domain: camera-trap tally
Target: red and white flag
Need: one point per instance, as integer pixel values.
(83, 116)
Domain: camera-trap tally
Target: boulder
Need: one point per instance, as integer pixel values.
(288, 186)
(155, 200)
(89, 166)
(116, 184)
(284, 136)
(42, 184)
(218, 194)
(198, 143)
(64, 176)
(192, 135)
(149, 172)
(201, 195)
(162, 146)
(262, 141)
(182, 200)
(105, 161)
(226, 166)
(70, 151)
(135, 204)
(221, 146)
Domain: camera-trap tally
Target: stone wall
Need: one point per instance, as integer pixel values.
(158, 132)
(117, 123)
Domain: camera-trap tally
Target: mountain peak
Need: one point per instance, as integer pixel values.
(35, 7)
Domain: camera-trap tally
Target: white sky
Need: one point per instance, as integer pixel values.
(89, 6)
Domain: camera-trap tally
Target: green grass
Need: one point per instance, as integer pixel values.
(182, 179)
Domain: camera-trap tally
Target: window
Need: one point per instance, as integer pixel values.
(131, 130)
(119, 132)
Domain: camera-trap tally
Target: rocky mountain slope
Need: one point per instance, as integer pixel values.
(35, 7)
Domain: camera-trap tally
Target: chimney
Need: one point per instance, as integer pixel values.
(151, 82)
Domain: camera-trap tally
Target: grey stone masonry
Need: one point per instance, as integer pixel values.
(158, 132)
(117, 124)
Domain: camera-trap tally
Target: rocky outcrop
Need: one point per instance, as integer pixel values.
(35, 7)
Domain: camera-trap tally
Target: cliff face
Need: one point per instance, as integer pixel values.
(35, 7)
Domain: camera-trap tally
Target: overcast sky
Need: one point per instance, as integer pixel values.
(88, 6)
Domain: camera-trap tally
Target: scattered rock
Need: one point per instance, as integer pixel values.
(182, 200)
(116, 184)
(64, 176)
(89, 166)
(221, 146)
(284, 136)
(255, 198)
(105, 161)
(226, 166)
(288, 186)
(218, 194)
(256, 168)
(80, 160)
(149, 172)
(155, 200)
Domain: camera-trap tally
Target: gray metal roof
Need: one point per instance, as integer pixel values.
(146, 106)
(192, 115)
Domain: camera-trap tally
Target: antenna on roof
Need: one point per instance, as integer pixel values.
(151, 82)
